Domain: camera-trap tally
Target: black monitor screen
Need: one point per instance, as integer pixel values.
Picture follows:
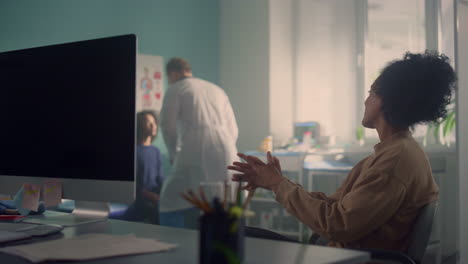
(68, 110)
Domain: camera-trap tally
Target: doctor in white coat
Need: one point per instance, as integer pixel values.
(200, 132)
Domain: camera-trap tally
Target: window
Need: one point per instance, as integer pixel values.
(341, 47)
(393, 27)
(325, 63)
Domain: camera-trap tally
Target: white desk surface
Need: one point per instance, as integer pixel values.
(257, 250)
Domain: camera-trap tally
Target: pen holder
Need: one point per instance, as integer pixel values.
(221, 238)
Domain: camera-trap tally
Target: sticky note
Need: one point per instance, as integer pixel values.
(31, 196)
(52, 193)
(19, 201)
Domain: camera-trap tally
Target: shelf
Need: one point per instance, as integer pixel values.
(287, 233)
(281, 232)
(263, 199)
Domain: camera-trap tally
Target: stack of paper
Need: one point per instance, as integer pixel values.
(6, 236)
(86, 247)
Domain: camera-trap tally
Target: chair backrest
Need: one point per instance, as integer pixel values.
(422, 231)
(419, 236)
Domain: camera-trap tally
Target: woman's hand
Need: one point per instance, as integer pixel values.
(256, 173)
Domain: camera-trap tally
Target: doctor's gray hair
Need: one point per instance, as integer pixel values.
(177, 64)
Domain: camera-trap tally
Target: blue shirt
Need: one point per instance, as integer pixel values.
(149, 173)
(6, 204)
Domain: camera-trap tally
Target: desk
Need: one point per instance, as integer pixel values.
(257, 250)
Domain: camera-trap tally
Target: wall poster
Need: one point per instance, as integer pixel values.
(150, 80)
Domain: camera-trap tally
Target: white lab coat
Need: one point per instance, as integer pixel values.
(200, 132)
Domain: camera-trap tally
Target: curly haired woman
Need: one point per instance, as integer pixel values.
(378, 202)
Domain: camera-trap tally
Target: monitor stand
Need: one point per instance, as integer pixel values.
(84, 213)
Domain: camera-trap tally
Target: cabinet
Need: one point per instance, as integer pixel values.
(268, 213)
(308, 170)
(323, 176)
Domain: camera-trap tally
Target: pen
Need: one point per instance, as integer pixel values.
(225, 203)
(249, 197)
(238, 194)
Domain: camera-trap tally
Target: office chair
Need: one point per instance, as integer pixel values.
(377, 255)
(419, 239)
(421, 232)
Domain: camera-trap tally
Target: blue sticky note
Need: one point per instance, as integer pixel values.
(19, 201)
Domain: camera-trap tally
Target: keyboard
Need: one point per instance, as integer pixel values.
(40, 230)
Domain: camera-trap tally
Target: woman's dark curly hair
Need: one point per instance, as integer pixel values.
(416, 89)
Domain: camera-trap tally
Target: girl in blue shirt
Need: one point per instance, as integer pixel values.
(149, 175)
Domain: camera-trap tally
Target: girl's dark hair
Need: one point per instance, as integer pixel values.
(416, 89)
(140, 124)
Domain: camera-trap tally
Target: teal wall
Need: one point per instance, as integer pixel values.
(184, 28)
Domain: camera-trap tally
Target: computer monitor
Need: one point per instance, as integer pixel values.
(67, 112)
